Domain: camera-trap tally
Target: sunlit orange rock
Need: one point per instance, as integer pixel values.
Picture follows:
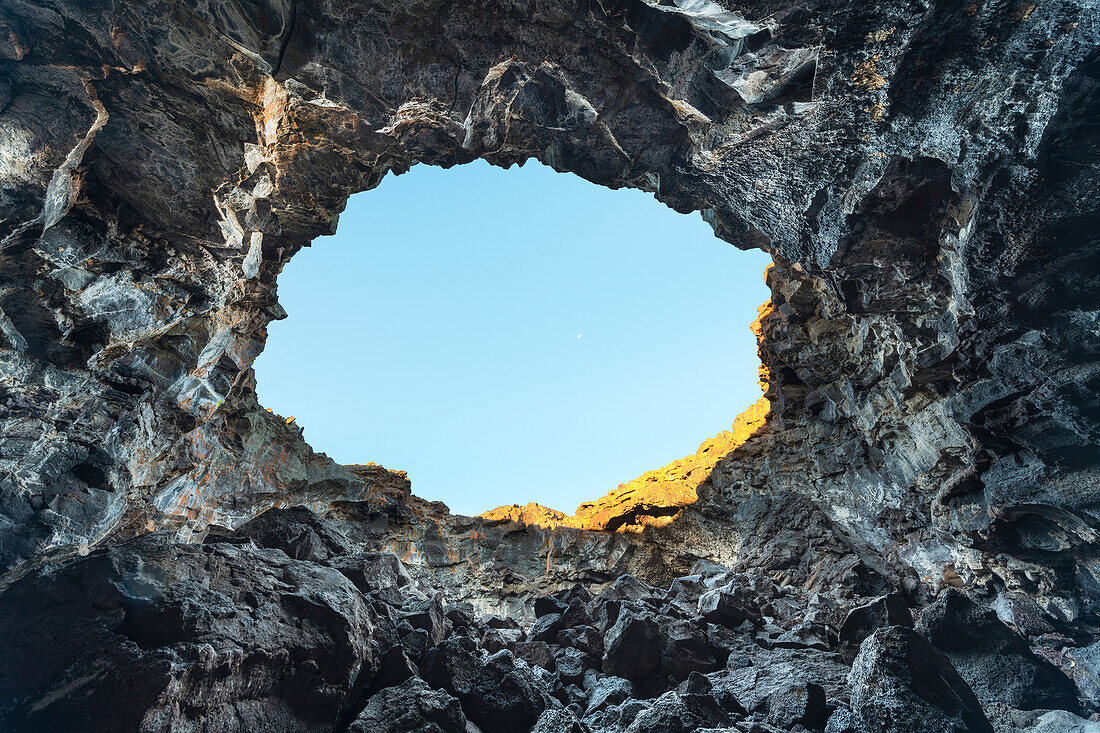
(655, 498)
(529, 514)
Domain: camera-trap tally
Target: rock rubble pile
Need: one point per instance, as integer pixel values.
(288, 625)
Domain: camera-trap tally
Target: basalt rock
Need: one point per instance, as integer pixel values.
(296, 531)
(410, 706)
(227, 635)
(730, 605)
(995, 661)
(765, 681)
(672, 713)
(862, 621)
(505, 696)
(801, 704)
(632, 644)
(558, 721)
(900, 682)
(152, 635)
(923, 175)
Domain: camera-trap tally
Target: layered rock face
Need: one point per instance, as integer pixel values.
(923, 174)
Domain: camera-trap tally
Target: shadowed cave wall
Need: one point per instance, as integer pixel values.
(923, 174)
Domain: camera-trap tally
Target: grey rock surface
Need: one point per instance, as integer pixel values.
(152, 635)
(995, 661)
(922, 173)
(901, 683)
(410, 706)
(228, 635)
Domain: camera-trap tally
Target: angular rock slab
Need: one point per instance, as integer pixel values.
(995, 661)
(152, 636)
(901, 683)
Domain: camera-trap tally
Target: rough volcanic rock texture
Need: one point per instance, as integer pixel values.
(228, 635)
(237, 637)
(924, 174)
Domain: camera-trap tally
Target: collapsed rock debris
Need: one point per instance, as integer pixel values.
(924, 456)
(288, 624)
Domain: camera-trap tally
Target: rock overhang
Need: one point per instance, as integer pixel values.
(924, 177)
(905, 167)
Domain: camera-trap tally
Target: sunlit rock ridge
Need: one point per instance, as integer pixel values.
(655, 499)
(902, 535)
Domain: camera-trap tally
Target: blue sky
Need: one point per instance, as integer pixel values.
(517, 335)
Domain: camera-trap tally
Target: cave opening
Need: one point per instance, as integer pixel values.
(519, 335)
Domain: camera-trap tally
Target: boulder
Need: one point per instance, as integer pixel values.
(632, 647)
(461, 615)
(153, 635)
(492, 621)
(685, 649)
(901, 683)
(608, 691)
(695, 684)
(1023, 613)
(584, 638)
(535, 653)
(498, 632)
(297, 531)
(410, 706)
(996, 662)
(493, 640)
(671, 713)
(616, 717)
(452, 666)
(629, 588)
(394, 667)
(605, 613)
(559, 601)
(861, 621)
(372, 571)
(428, 614)
(546, 628)
(548, 604)
(686, 588)
(1086, 672)
(723, 642)
(576, 614)
(731, 605)
(754, 676)
(415, 642)
(571, 664)
(504, 697)
(1043, 721)
(800, 704)
(577, 699)
(801, 636)
(559, 720)
(842, 720)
